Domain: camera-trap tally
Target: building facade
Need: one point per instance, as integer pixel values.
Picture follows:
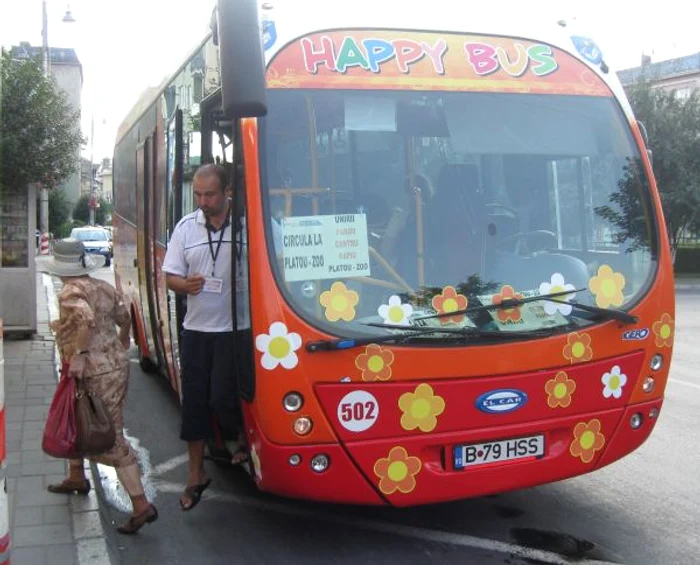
(680, 75)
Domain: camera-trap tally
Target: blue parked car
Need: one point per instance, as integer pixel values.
(96, 240)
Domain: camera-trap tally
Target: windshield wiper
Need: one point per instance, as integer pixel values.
(408, 332)
(552, 297)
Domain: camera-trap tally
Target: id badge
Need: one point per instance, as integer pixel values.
(213, 284)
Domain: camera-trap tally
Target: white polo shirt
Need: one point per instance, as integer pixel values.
(189, 253)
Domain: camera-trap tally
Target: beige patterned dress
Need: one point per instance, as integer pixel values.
(84, 301)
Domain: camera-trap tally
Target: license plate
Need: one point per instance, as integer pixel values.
(498, 451)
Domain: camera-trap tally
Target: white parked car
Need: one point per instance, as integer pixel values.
(96, 240)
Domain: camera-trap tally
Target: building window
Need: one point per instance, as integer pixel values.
(682, 93)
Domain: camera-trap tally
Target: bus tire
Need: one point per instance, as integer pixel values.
(147, 366)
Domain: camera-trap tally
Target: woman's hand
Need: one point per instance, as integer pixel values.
(77, 366)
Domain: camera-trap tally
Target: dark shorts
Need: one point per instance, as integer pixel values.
(209, 385)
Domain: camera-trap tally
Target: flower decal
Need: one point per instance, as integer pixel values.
(278, 347)
(506, 314)
(395, 313)
(397, 472)
(587, 440)
(375, 363)
(613, 382)
(449, 301)
(578, 348)
(555, 285)
(339, 302)
(421, 408)
(559, 390)
(607, 287)
(664, 330)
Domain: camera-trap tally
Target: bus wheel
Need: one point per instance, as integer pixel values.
(147, 366)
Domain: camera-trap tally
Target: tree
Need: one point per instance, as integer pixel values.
(673, 128)
(40, 134)
(82, 210)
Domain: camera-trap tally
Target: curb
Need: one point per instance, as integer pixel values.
(87, 515)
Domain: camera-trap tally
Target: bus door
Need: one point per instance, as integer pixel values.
(144, 190)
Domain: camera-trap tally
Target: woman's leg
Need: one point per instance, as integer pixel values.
(130, 478)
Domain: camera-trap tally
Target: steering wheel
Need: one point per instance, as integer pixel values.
(547, 240)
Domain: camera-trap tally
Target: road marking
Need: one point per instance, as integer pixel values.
(685, 383)
(412, 532)
(170, 464)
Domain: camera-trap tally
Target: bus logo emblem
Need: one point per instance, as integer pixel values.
(499, 401)
(636, 335)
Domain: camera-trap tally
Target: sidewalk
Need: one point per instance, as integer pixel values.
(687, 282)
(45, 528)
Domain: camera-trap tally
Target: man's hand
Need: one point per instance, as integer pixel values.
(194, 284)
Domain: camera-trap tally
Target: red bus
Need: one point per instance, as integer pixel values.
(458, 279)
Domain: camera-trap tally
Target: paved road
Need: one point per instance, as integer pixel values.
(640, 510)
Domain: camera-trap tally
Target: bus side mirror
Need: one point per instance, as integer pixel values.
(241, 58)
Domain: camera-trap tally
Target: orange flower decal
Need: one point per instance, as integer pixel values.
(397, 472)
(607, 287)
(578, 348)
(505, 314)
(450, 301)
(375, 363)
(587, 440)
(421, 408)
(559, 390)
(664, 330)
(339, 302)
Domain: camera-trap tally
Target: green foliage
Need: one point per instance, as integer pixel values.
(673, 127)
(59, 210)
(82, 210)
(40, 131)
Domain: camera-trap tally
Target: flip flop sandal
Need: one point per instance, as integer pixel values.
(70, 487)
(194, 493)
(135, 523)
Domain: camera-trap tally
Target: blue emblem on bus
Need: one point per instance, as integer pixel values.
(588, 49)
(503, 400)
(636, 335)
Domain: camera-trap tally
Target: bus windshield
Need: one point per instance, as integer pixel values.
(398, 208)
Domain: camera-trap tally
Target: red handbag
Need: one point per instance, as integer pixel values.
(60, 435)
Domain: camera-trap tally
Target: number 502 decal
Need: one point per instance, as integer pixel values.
(358, 411)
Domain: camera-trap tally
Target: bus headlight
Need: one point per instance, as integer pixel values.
(293, 401)
(648, 384)
(636, 421)
(320, 463)
(294, 460)
(657, 361)
(302, 426)
(654, 413)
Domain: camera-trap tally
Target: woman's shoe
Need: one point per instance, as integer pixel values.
(135, 523)
(70, 487)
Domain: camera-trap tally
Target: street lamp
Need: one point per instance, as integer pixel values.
(43, 190)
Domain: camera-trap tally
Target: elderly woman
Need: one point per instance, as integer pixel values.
(88, 341)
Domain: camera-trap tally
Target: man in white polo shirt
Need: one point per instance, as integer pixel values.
(198, 264)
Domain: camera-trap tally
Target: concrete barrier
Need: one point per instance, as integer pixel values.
(4, 510)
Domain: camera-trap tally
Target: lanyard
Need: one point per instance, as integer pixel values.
(214, 254)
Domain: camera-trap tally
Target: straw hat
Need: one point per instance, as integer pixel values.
(69, 259)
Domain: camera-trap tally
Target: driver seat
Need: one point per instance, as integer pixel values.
(454, 238)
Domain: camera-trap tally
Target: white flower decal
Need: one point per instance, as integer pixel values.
(557, 284)
(613, 382)
(395, 313)
(278, 347)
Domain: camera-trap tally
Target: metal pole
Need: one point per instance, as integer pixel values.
(43, 190)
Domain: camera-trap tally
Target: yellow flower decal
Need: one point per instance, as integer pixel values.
(607, 287)
(375, 363)
(397, 472)
(339, 302)
(559, 390)
(449, 301)
(587, 440)
(578, 348)
(664, 330)
(421, 408)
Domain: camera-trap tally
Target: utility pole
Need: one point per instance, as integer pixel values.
(43, 189)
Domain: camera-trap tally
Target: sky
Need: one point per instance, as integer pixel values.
(126, 46)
